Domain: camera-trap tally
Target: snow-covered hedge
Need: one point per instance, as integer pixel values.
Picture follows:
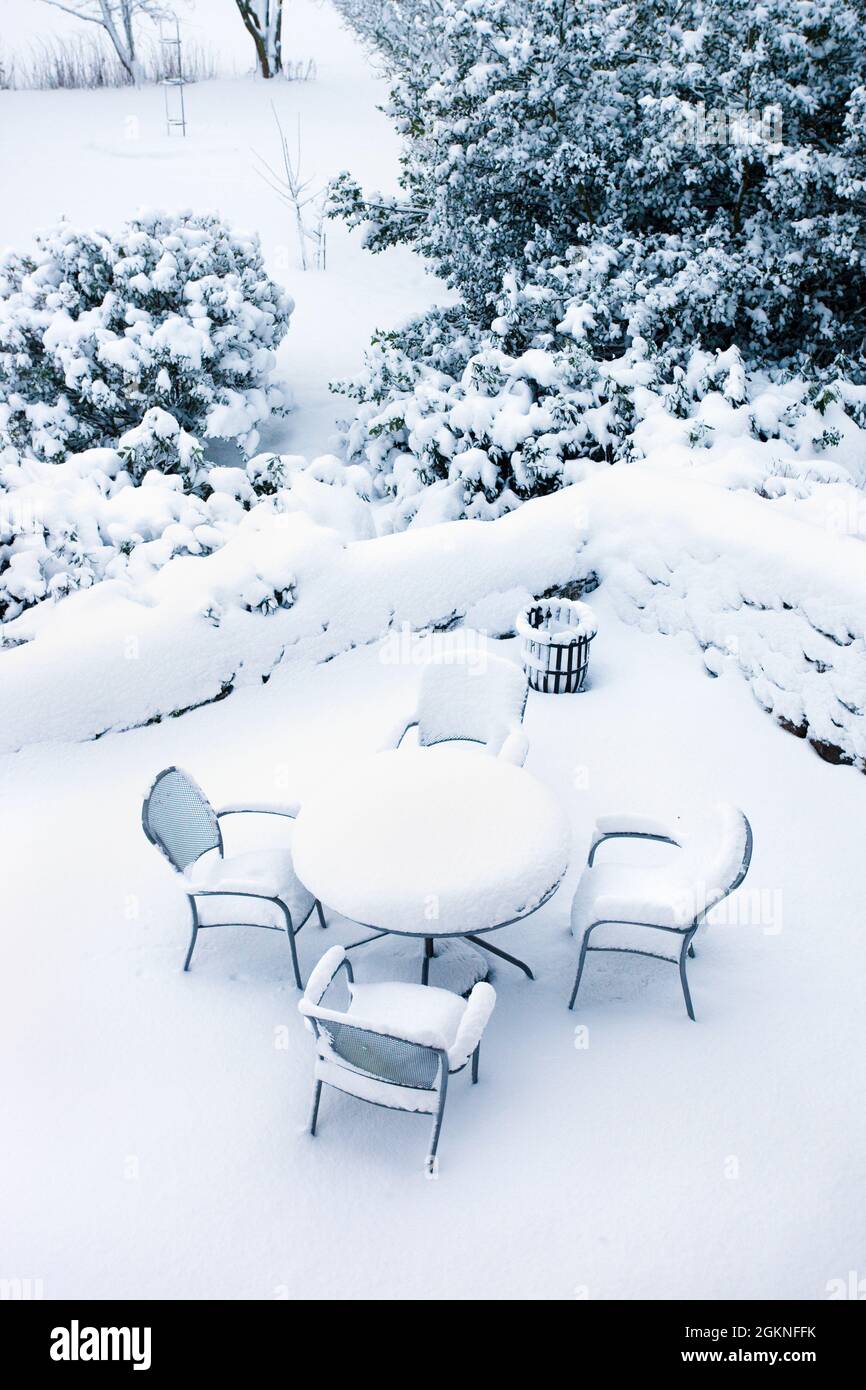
(125, 513)
(173, 312)
(119, 355)
(401, 32)
(513, 425)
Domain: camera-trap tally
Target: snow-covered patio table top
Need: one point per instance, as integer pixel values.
(430, 842)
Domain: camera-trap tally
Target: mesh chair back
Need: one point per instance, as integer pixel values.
(470, 695)
(178, 817)
(386, 1058)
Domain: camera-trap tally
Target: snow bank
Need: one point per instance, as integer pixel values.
(759, 589)
(99, 515)
(130, 654)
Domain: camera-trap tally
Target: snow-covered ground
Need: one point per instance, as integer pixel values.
(156, 1120)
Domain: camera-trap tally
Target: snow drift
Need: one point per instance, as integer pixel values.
(758, 588)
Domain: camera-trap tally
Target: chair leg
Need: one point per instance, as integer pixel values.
(322, 923)
(580, 964)
(428, 956)
(476, 1054)
(430, 1164)
(317, 1095)
(191, 946)
(685, 985)
(193, 934)
(291, 935)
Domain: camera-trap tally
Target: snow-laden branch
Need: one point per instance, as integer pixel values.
(300, 193)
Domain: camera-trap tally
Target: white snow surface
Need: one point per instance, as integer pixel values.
(155, 1120)
(160, 1150)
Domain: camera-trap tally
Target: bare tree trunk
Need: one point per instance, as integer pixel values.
(124, 45)
(116, 18)
(263, 21)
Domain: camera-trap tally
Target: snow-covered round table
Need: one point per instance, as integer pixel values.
(432, 842)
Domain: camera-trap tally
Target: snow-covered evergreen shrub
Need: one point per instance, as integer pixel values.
(400, 32)
(159, 442)
(565, 375)
(736, 130)
(616, 190)
(124, 513)
(174, 312)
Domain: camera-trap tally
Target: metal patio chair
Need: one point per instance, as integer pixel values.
(630, 907)
(468, 696)
(396, 1044)
(178, 818)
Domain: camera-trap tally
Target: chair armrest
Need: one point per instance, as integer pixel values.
(262, 808)
(515, 748)
(478, 1010)
(322, 977)
(627, 825)
(395, 736)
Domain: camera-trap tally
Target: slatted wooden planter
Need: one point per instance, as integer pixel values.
(556, 635)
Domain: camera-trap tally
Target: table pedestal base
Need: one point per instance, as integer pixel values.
(454, 965)
(503, 955)
(448, 962)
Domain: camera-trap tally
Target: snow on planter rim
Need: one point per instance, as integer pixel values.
(582, 623)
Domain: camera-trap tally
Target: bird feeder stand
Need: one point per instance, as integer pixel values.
(174, 81)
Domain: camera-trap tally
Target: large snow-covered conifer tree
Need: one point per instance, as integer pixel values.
(613, 181)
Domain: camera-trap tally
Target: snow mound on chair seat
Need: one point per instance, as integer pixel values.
(671, 894)
(265, 873)
(649, 894)
(409, 1011)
